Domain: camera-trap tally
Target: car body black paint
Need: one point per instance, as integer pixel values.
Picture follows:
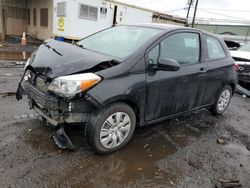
(154, 95)
(68, 59)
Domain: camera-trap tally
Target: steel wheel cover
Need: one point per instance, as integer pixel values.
(224, 100)
(115, 130)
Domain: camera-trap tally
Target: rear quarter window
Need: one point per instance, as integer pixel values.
(214, 49)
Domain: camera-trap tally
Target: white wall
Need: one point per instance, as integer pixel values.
(132, 15)
(76, 28)
(39, 31)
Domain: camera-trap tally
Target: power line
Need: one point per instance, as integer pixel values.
(176, 10)
(137, 1)
(222, 20)
(211, 12)
(228, 10)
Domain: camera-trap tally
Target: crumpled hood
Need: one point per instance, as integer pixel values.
(54, 59)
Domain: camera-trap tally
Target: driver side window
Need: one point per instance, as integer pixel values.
(181, 47)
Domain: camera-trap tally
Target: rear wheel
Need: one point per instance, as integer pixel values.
(222, 101)
(111, 128)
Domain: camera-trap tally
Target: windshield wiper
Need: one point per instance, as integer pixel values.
(49, 47)
(54, 50)
(79, 45)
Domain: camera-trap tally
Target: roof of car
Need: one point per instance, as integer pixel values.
(163, 26)
(159, 26)
(168, 27)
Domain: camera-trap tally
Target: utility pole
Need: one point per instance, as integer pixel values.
(189, 7)
(195, 9)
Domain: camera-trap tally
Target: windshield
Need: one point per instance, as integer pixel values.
(245, 48)
(119, 41)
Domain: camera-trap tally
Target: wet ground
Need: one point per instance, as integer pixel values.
(182, 152)
(14, 55)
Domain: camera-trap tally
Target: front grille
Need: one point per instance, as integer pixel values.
(42, 99)
(41, 84)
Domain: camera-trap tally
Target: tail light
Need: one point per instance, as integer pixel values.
(236, 67)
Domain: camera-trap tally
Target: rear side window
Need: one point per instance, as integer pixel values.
(214, 49)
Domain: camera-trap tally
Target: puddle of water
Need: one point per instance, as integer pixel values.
(134, 165)
(10, 55)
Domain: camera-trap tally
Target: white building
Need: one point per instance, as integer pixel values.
(75, 19)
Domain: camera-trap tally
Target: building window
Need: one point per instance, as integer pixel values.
(34, 16)
(103, 10)
(61, 9)
(88, 12)
(44, 16)
(28, 16)
(15, 12)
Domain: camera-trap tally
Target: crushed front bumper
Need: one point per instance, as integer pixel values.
(57, 110)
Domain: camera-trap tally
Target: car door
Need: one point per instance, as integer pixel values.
(217, 69)
(174, 92)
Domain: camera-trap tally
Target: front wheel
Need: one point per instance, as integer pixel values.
(111, 128)
(222, 101)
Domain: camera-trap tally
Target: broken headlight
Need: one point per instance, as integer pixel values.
(68, 86)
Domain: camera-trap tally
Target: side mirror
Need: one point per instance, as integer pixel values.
(167, 64)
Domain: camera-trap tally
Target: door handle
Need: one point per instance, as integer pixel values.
(203, 70)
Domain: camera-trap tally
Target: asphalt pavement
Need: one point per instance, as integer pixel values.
(195, 150)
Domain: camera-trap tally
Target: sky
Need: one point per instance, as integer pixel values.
(220, 11)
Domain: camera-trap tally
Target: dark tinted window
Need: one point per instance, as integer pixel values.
(28, 16)
(182, 47)
(34, 16)
(44, 16)
(214, 49)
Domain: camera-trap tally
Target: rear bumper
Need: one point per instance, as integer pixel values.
(58, 110)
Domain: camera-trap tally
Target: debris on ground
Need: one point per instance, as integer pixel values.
(226, 183)
(194, 164)
(248, 147)
(20, 62)
(172, 183)
(5, 94)
(221, 141)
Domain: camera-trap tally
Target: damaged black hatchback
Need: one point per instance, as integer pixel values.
(127, 76)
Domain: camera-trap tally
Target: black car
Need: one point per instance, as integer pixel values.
(127, 76)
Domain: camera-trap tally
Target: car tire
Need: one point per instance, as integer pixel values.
(222, 101)
(110, 129)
